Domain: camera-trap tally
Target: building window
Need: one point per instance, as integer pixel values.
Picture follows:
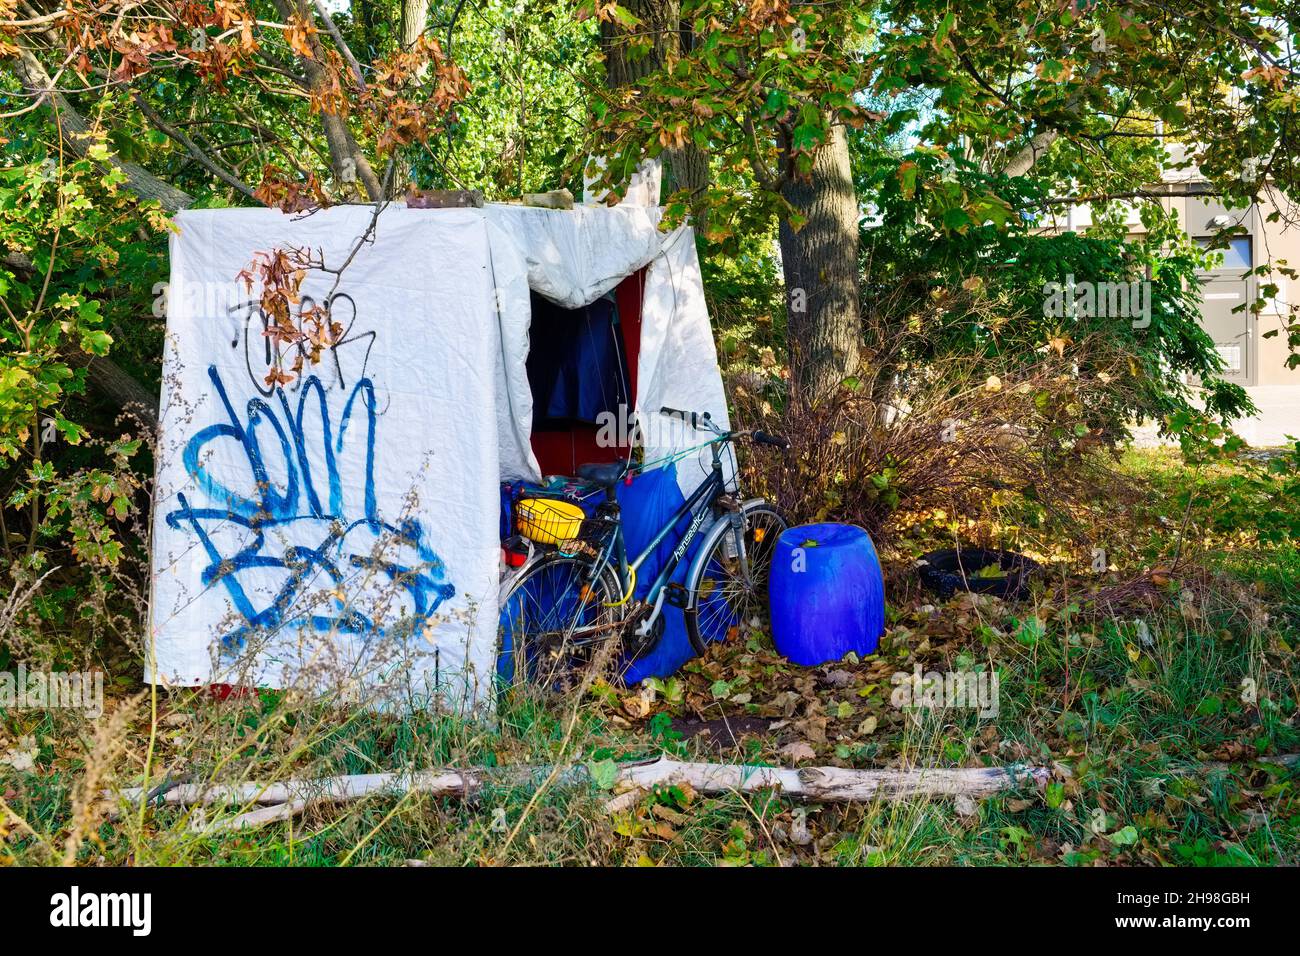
(1236, 256)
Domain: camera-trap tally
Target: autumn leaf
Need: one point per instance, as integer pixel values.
(298, 34)
(798, 751)
(907, 173)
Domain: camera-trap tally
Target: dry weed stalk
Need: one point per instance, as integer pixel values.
(109, 743)
(954, 440)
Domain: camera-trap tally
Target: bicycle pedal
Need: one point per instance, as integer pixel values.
(676, 595)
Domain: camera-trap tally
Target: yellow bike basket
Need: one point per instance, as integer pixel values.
(548, 520)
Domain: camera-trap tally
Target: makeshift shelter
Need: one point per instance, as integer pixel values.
(344, 525)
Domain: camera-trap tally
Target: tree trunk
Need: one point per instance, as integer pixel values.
(820, 262)
(116, 383)
(415, 17)
(659, 18)
(76, 135)
(686, 168)
(349, 164)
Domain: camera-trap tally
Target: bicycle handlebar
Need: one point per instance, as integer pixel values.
(695, 418)
(702, 421)
(776, 441)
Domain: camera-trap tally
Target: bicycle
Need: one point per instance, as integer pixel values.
(573, 597)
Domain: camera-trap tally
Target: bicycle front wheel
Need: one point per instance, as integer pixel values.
(727, 586)
(554, 619)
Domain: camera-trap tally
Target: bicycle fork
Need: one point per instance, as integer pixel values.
(733, 543)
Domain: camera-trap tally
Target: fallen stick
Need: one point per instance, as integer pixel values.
(831, 784)
(282, 801)
(250, 820)
(337, 789)
(816, 784)
(624, 801)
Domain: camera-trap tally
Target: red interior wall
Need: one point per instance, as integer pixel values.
(561, 452)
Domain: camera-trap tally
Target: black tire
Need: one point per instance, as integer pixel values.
(543, 604)
(949, 571)
(718, 597)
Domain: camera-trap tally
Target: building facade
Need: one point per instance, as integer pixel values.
(1251, 357)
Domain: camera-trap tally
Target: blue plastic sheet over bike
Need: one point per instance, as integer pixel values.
(648, 502)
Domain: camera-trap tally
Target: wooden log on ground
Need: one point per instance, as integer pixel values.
(833, 784)
(250, 820)
(815, 784)
(282, 801)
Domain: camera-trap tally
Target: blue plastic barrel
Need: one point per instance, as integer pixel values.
(827, 593)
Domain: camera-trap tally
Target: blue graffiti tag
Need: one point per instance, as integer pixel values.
(288, 525)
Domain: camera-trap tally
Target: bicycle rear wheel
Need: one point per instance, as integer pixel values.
(727, 586)
(554, 619)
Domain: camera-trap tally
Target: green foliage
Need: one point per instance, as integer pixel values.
(972, 277)
(521, 129)
(759, 89)
(1004, 70)
(78, 278)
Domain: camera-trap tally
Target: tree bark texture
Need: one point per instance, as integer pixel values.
(686, 168)
(820, 262)
(415, 16)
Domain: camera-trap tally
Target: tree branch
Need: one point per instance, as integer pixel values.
(1109, 197)
(203, 159)
(342, 44)
(1024, 161)
(343, 146)
(77, 134)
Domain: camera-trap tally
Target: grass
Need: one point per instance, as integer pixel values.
(1151, 691)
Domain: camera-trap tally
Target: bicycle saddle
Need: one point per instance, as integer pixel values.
(607, 475)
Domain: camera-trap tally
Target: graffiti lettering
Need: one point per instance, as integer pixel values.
(260, 352)
(291, 525)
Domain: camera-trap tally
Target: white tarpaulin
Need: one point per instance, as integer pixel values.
(343, 527)
(573, 258)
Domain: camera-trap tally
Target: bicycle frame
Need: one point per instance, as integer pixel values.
(713, 487)
(605, 555)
